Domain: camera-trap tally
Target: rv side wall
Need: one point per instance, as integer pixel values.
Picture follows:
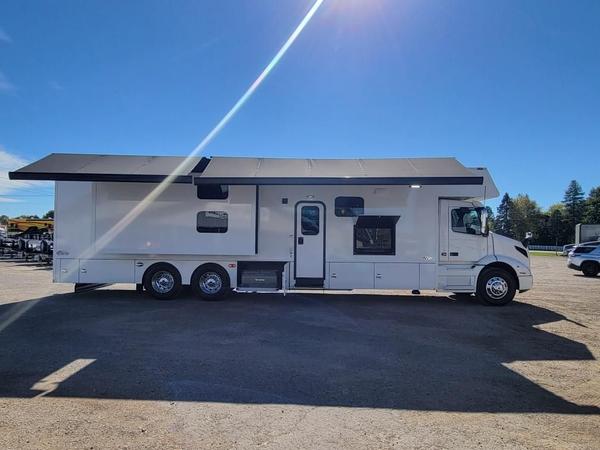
(166, 230)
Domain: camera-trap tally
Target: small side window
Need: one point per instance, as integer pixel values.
(213, 191)
(349, 206)
(466, 220)
(212, 222)
(309, 220)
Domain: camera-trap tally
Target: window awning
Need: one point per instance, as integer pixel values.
(376, 221)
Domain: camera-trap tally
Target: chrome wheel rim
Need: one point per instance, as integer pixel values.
(163, 281)
(210, 282)
(496, 287)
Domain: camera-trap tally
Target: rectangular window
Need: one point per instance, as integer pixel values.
(211, 222)
(466, 220)
(309, 220)
(349, 206)
(213, 191)
(375, 235)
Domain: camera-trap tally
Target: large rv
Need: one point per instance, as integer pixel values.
(271, 224)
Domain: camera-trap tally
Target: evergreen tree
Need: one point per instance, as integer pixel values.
(49, 215)
(574, 207)
(503, 222)
(557, 229)
(592, 207)
(491, 219)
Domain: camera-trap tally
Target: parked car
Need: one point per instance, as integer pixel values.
(585, 258)
(569, 247)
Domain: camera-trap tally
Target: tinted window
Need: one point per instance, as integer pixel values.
(349, 206)
(213, 191)
(586, 249)
(375, 235)
(212, 222)
(309, 220)
(466, 220)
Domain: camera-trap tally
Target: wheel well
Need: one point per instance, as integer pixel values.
(163, 264)
(591, 261)
(507, 267)
(213, 266)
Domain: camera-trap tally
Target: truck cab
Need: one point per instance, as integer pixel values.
(474, 260)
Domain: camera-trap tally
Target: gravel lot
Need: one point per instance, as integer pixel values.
(112, 369)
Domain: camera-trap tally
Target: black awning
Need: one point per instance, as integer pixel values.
(377, 221)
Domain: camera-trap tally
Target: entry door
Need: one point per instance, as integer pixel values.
(310, 243)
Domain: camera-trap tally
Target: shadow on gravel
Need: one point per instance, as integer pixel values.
(418, 353)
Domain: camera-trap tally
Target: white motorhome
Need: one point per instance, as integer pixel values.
(269, 224)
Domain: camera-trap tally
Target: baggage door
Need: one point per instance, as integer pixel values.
(309, 235)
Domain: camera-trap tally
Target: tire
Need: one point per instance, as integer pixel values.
(589, 268)
(210, 282)
(496, 287)
(162, 281)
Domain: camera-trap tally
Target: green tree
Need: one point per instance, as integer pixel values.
(3, 219)
(49, 215)
(503, 222)
(491, 218)
(25, 216)
(574, 207)
(526, 216)
(592, 207)
(557, 228)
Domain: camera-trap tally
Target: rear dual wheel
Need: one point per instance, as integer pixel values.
(162, 281)
(211, 282)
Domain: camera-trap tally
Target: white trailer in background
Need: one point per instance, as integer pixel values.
(261, 224)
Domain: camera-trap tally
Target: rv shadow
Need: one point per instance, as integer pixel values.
(419, 353)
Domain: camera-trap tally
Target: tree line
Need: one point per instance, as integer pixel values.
(555, 226)
(49, 215)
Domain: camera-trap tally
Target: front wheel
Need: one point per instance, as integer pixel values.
(496, 287)
(210, 282)
(589, 268)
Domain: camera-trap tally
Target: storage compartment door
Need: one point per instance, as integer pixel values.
(396, 276)
(106, 271)
(351, 276)
(68, 270)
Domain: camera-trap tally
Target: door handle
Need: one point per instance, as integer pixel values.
(300, 240)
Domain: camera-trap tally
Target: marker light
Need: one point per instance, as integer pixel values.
(415, 186)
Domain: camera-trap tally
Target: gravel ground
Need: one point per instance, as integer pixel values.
(112, 369)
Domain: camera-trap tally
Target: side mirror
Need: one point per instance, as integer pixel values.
(484, 222)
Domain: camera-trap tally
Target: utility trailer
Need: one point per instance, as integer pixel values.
(273, 224)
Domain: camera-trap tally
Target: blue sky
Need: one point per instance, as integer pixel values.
(510, 85)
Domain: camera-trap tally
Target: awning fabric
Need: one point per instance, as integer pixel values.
(249, 171)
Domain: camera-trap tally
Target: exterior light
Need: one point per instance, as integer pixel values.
(415, 186)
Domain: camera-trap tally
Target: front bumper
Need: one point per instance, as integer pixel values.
(525, 282)
(573, 266)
